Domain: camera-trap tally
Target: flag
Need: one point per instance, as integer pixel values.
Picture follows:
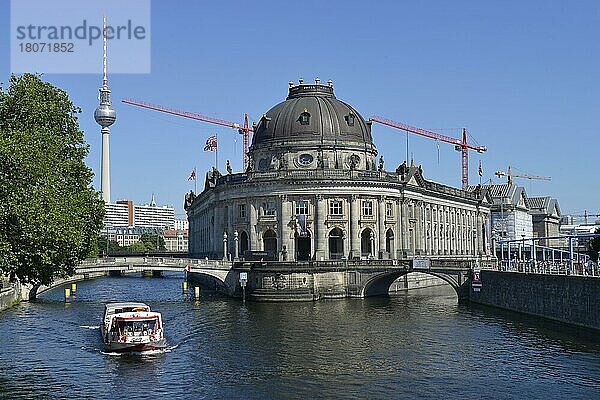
(480, 170)
(301, 228)
(192, 175)
(211, 143)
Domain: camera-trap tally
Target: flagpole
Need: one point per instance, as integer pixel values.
(195, 180)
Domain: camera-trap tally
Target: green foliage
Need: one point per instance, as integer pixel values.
(49, 213)
(593, 246)
(150, 241)
(104, 248)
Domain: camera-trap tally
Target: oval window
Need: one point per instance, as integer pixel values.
(263, 164)
(305, 159)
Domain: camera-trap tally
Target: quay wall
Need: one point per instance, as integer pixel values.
(10, 295)
(567, 298)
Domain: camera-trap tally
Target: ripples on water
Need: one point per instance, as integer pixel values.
(416, 345)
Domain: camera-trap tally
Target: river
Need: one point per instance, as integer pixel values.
(419, 344)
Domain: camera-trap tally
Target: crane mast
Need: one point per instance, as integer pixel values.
(459, 145)
(242, 129)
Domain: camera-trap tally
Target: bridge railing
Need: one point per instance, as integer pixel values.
(183, 262)
(550, 267)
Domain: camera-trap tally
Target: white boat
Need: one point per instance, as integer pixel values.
(131, 327)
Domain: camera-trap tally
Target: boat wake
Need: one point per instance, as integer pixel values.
(91, 327)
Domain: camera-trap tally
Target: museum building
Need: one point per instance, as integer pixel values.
(314, 190)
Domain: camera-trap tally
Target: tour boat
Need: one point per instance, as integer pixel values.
(131, 327)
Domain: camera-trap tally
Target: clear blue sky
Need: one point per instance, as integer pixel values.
(522, 76)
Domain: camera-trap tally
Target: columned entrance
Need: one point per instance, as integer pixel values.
(303, 247)
(366, 242)
(336, 244)
(270, 241)
(243, 243)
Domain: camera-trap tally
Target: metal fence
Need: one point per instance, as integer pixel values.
(550, 267)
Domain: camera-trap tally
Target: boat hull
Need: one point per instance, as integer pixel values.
(117, 347)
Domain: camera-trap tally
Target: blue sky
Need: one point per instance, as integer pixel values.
(522, 77)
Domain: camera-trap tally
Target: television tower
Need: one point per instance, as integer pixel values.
(105, 116)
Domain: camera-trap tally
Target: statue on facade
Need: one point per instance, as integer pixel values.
(229, 169)
(250, 165)
(402, 168)
(274, 162)
(189, 199)
(381, 163)
(320, 161)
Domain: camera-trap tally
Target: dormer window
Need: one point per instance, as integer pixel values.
(350, 119)
(304, 118)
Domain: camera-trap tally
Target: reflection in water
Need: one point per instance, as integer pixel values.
(418, 344)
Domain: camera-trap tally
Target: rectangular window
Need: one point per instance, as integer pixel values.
(367, 208)
(270, 208)
(389, 209)
(301, 207)
(242, 211)
(335, 207)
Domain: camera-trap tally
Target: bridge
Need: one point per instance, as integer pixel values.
(281, 280)
(153, 266)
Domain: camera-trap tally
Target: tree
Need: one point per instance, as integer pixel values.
(593, 246)
(49, 213)
(151, 240)
(112, 247)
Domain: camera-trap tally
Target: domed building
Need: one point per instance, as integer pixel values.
(314, 191)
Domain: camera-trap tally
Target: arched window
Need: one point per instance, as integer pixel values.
(243, 243)
(389, 242)
(336, 244)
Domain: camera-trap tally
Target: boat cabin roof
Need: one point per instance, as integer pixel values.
(112, 308)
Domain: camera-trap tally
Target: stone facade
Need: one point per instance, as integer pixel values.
(313, 191)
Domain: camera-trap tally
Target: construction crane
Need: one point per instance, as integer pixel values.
(510, 175)
(242, 129)
(459, 145)
(585, 215)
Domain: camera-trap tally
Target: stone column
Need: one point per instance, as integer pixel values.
(237, 245)
(252, 231)
(284, 221)
(419, 228)
(479, 233)
(402, 228)
(230, 216)
(354, 227)
(320, 234)
(381, 220)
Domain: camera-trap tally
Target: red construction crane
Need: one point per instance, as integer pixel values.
(243, 129)
(459, 145)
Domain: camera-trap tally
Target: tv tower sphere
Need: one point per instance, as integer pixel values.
(105, 115)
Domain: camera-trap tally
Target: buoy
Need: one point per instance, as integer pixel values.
(184, 286)
(197, 292)
(73, 288)
(67, 294)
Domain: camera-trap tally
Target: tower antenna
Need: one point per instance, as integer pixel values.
(104, 77)
(105, 116)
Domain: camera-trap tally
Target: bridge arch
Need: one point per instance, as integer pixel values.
(379, 285)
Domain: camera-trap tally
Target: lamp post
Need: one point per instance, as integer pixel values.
(224, 246)
(372, 239)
